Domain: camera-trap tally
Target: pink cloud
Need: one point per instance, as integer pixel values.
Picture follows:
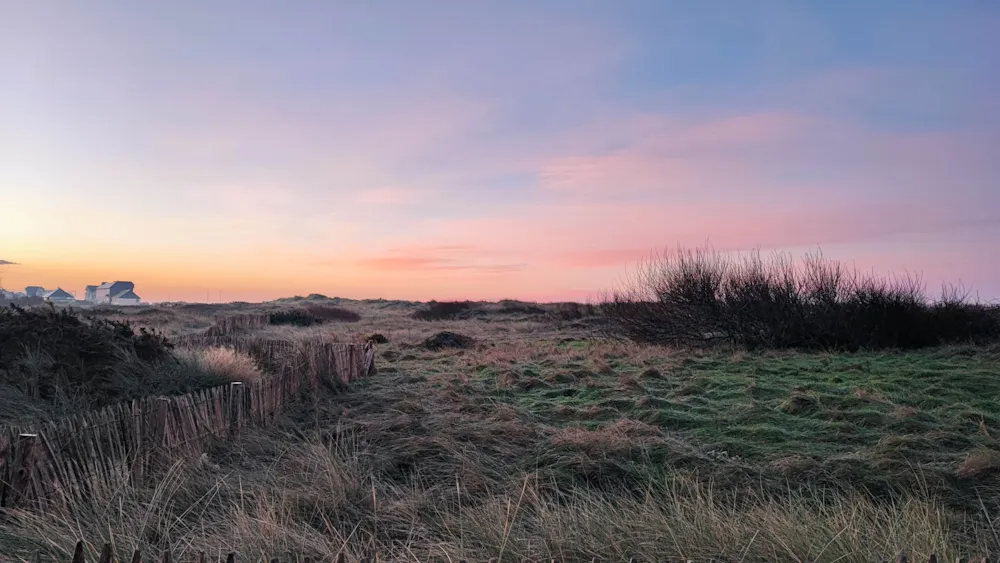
(664, 154)
(596, 236)
(438, 259)
(602, 258)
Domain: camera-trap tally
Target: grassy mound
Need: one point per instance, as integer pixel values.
(332, 313)
(294, 317)
(448, 339)
(444, 311)
(53, 362)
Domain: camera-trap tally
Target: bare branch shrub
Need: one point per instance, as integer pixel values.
(689, 297)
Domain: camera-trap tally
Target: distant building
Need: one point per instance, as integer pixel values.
(34, 291)
(6, 294)
(59, 296)
(126, 298)
(107, 290)
(90, 294)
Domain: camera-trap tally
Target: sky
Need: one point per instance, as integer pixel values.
(457, 149)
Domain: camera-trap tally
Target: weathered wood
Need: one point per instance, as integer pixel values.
(136, 556)
(78, 552)
(341, 558)
(231, 558)
(166, 556)
(105, 554)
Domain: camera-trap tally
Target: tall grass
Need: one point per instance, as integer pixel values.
(316, 498)
(691, 296)
(223, 362)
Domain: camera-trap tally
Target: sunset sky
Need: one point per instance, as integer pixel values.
(473, 149)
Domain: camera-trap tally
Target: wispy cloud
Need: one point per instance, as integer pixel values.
(562, 141)
(8, 263)
(440, 258)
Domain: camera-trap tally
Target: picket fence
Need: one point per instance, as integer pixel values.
(107, 556)
(54, 465)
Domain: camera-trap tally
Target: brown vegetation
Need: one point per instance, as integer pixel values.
(697, 296)
(544, 441)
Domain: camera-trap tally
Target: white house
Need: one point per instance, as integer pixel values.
(126, 298)
(59, 296)
(104, 292)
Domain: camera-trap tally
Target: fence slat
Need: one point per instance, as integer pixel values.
(105, 554)
(78, 552)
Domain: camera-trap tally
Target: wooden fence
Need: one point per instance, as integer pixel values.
(229, 324)
(52, 466)
(107, 556)
(314, 360)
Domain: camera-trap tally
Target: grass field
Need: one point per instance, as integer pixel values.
(542, 440)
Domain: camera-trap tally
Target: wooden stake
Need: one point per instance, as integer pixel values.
(78, 552)
(105, 554)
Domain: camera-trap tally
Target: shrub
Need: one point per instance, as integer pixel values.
(571, 311)
(444, 310)
(448, 340)
(51, 357)
(693, 297)
(510, 307)
(295, 317)
(331, 313)
(377, 338)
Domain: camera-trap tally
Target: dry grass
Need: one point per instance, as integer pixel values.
(542, 442)
(979, 463)
(224, 362)
(316, 498)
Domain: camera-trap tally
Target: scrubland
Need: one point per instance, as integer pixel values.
(542, 437)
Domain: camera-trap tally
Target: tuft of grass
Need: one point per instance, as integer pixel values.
(800, 403)
(979, 463)
(225, 363)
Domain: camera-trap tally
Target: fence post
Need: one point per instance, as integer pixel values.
(22, 468)
(78, 552)
(105, 554)
(236, 408)
(161, 432)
